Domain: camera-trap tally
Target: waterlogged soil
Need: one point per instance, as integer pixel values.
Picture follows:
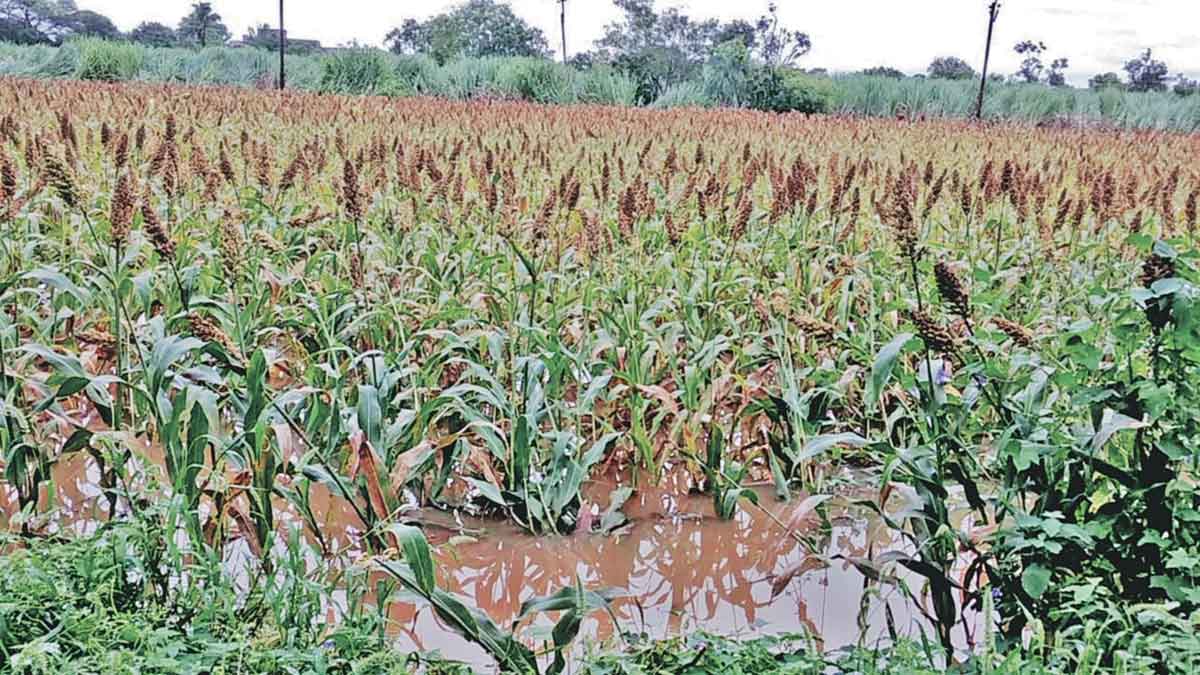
(680, 570)
(675, 567)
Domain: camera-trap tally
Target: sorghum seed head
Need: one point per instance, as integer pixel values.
(158, 234)
(59, 177)
(816, 328)
(952, 289)
(8, 179)
(1019, 334)
(351, 199)
(120, 214)
(936, 336)
(208, 330)
(121, 151)
(1155, 269)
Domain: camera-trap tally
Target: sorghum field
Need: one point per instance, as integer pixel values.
(278, 368)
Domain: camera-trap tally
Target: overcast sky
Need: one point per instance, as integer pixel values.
(1096, 35)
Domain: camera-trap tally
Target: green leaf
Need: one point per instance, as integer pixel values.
(881, 370)
(596, 452)
(256, 398)
(370, 416)
(491, 492)
(78, 441)
(1035, 580)
(521, 452)
(52, 278)
(570, 597)
(417, 555)
(471, 624)
(820, 444)
(166, 352)
(781, 482)
(1111, 423)
(595, 388)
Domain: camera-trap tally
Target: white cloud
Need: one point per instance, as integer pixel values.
(1096, 35)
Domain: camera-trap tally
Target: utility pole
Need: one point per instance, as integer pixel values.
(993, 12)
(562, 17)
(282, 49)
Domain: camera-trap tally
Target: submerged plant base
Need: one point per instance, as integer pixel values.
(120, 601)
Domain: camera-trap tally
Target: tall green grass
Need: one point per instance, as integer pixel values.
(884, 96)
(357, 71)
(108, 61)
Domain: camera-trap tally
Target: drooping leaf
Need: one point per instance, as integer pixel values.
(1111, 423)
(881, 369)
(820, 444)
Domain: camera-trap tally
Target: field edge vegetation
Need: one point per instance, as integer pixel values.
(729, 78)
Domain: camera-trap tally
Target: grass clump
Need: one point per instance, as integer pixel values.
(357, 71)
(118, 602)
(108, 61)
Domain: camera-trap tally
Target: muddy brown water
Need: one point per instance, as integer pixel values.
(676, 567)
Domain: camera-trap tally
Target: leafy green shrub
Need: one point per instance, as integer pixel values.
(1098, 536)
(787, 90)
(655, 70)
(25, 60)
(731, 78)
(606, 85)
(108, 61)
(303, 72)
(61, 64)
(537, 80)
(705, 653)
(728, 74)
(357, 71)
(1113, 508)
(163, 65)
(468, 78)
(417, 74)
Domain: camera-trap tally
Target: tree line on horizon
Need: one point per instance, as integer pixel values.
(656, 47)
(52, 22)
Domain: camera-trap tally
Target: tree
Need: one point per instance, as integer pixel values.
(1031, 67)
(473, 29)
(1185, 86)
(1056, 76)
(35, 21)
(1146, 74)
(1106, 81)
(742, 31)
(778, 46)
(91, 24)
(884, 71)
(203, 26)
(658, 50)
(1034, 71)
(153, 34)
(412, 37)
(950, 68)
(662, 48)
